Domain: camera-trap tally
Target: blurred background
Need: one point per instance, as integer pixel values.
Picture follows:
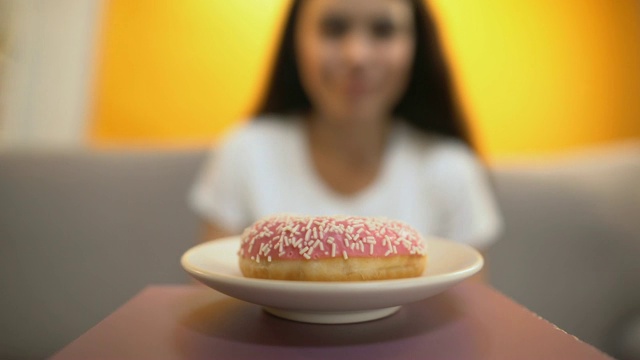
(108, 108)
(535, 77)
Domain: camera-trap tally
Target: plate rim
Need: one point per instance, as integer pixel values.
(348, 286)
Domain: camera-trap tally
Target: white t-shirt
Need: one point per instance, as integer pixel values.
(264, 168)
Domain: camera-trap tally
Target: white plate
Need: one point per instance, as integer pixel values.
(215, 264)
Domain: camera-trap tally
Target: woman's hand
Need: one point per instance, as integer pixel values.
(215, 231)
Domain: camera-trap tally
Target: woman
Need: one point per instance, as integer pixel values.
(359, 119)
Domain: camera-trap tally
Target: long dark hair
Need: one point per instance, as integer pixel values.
(428, 103)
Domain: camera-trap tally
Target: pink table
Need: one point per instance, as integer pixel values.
(469, 321)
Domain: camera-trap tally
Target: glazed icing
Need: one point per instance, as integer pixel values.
(287, 237)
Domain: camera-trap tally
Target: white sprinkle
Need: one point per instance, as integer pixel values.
(304, 250)
(388, 252)
(307, 235)
(371, 249)
(307, 256)
(269, 258)
(344, 254)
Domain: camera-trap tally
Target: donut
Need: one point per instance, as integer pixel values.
(331, 248)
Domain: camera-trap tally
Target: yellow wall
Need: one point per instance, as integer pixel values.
(541, 76)
(175, 73)
(535, 77)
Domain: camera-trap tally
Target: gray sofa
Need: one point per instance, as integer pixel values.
(81, 232)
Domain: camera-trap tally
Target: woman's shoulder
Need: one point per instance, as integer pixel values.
(259, 131)
(436, 148)
(441, 159)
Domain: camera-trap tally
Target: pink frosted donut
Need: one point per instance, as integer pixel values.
(329, 248)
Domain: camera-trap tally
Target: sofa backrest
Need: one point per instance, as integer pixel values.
(571, 247)
(81, 233)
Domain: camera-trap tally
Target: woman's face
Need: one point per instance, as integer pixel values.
(355, 56)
